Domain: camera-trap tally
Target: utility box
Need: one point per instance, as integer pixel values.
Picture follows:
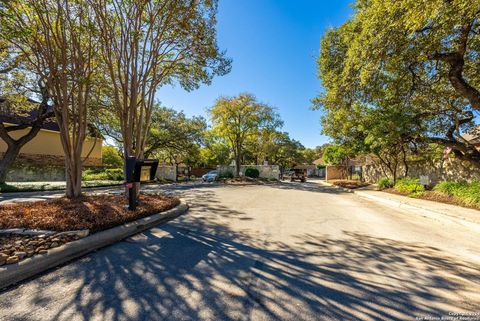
(136, 171)
(140, 170)
(425, 181)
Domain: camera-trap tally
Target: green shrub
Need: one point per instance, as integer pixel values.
(252, 172)
(384, 182)
(408, 185)
(114, 174)
(101, 174)
(6, 188)
(111, 157)
(469, 193)
(227, 175)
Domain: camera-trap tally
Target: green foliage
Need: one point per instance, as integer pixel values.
(176, 138)
(100, 174)
(111, 157)
(227, 174)
(252, 172)
(469, 193)
(385, 182)
(408, 185)
(335, 155)
(215, 152)
(6, 188)
(310, 155)
(399, 75)
(285, 151)
(238, 120)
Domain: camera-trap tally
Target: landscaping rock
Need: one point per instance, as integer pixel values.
(20, 255)
(12, 259)
(23, 246)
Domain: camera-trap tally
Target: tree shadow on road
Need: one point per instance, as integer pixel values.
(196, 269)
(308, 187)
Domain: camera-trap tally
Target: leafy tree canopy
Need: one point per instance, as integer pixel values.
(403, 72)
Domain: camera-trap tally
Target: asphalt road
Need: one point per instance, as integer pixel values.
(290, 251)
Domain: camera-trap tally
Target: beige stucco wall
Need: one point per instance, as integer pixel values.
(48, 142)
(335, 172)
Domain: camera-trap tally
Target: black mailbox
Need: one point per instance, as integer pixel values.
(138, 170)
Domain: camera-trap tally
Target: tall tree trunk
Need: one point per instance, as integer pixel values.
(73, 175)
(7, 161)
(14, 147)
(238, 160)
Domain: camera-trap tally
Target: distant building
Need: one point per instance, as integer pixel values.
(473, 137)
(46, 147)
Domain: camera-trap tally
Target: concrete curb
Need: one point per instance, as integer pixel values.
(417, 209)
(14, 273)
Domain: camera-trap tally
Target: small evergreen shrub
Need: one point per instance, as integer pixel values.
(384, 182)
(252, 172)
(469, 193)
(228, 174)
(101, 174)
(408, 185)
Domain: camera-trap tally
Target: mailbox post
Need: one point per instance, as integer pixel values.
(138, 170)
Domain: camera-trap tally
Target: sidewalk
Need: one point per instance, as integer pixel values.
(464, 216)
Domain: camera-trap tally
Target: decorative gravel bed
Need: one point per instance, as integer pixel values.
(94, 213)
(14, 248)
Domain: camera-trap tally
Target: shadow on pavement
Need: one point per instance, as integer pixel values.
(195, 269)
(307, 187)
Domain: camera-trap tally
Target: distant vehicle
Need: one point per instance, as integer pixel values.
(298, 174)
(287, 174)
(211, 176)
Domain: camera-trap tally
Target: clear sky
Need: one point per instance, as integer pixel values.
(274, 45)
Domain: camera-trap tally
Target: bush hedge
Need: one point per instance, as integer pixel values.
(385, 182)
(252, 172)
(408, 185)
(102, 174)
(469, 193)
(227, 175)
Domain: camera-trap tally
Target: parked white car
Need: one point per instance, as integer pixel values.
(210, 176)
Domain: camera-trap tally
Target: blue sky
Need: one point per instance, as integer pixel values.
(274, 45)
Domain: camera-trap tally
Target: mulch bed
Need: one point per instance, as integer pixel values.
(89, 212)
(351, 184)
(436, 197)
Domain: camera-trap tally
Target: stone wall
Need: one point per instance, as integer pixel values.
(31, 173)
(266, 171)
(39, 160)
(41, 168)
(449, 170)
(166, 172)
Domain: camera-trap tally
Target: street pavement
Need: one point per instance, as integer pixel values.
(289, 251)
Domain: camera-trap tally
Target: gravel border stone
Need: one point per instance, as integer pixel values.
(14, 273)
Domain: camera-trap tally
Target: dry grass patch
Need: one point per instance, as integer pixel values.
(89, 212)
